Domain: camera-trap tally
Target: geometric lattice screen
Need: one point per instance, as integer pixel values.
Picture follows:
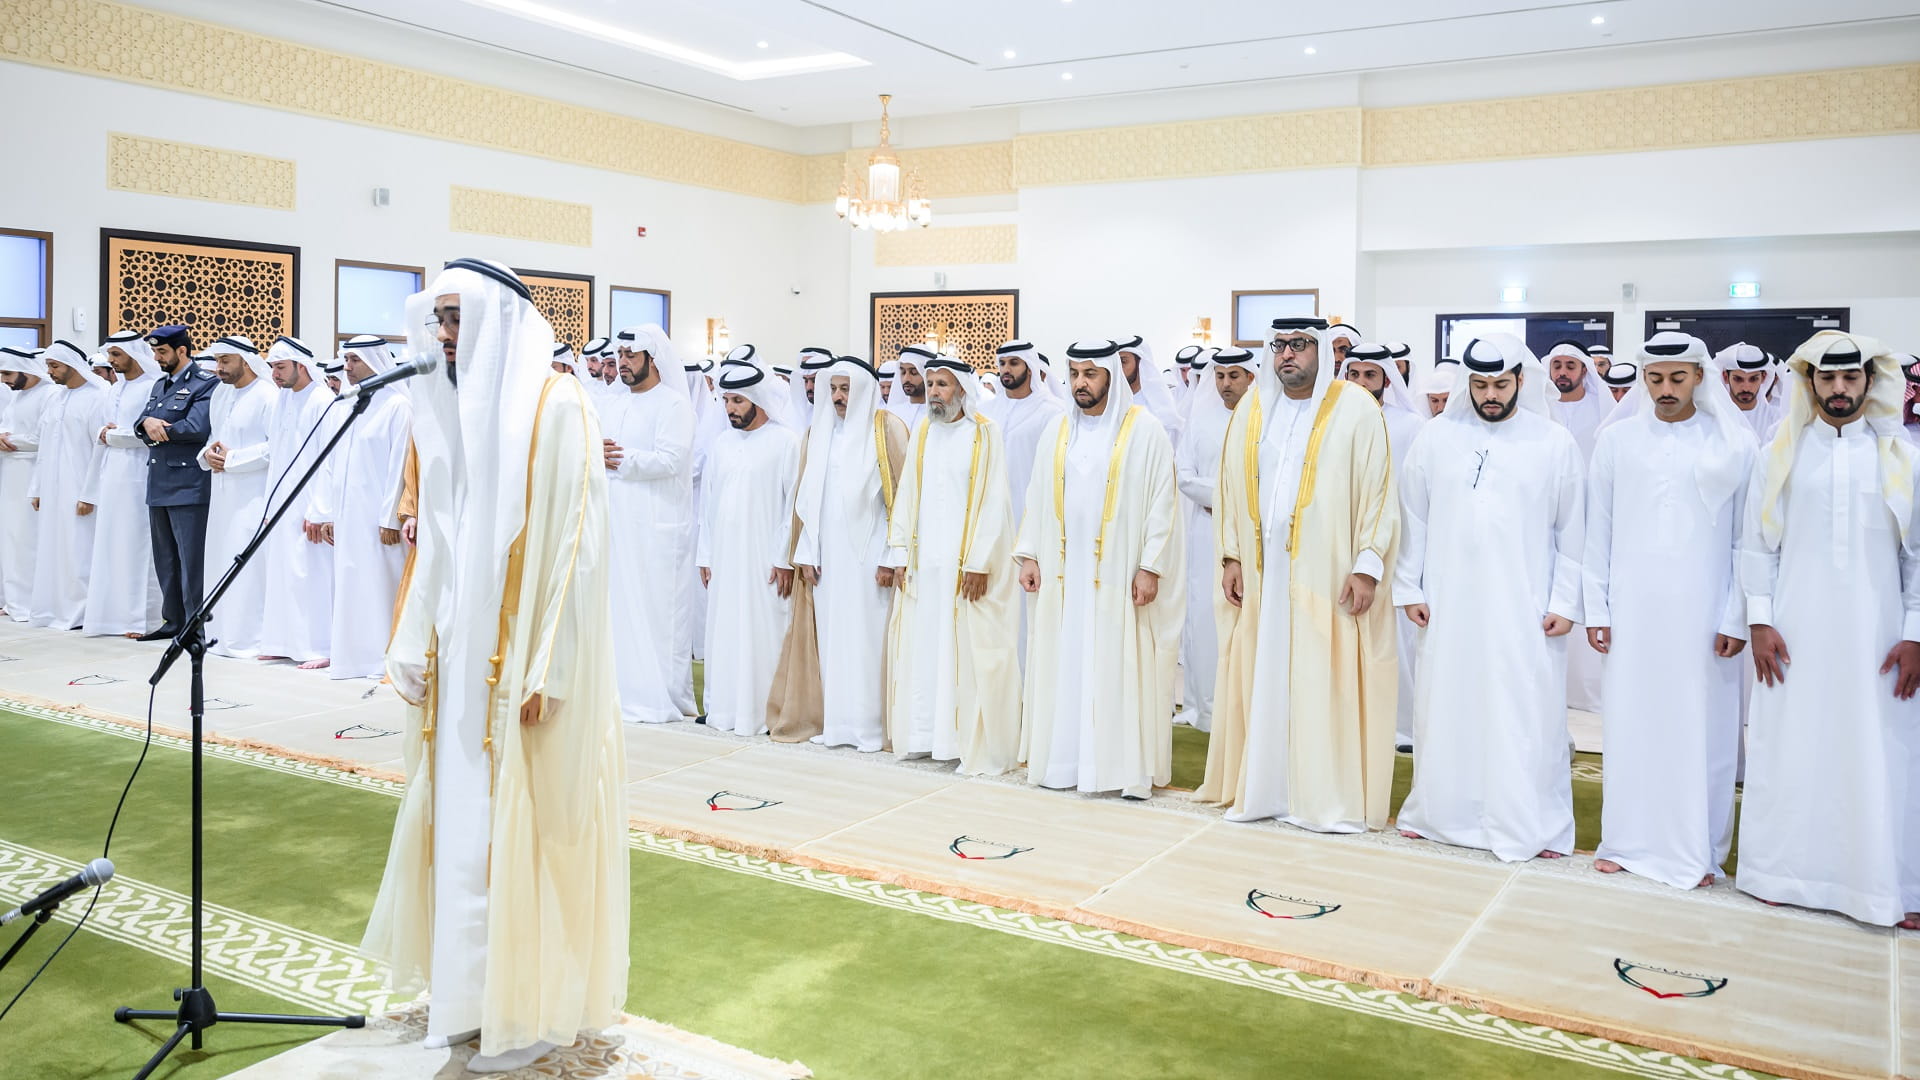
(567, 302)
(975, 324)
(213, 287)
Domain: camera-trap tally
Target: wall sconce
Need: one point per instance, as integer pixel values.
(717, 337)
(1203, 331)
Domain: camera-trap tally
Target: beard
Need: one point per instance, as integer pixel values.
(1085, 399)
(1841, 406)
(1296, 378)
(1010, 382)
(1495, 411)
(636, 376)
(1745, 398)
(942, 412)
(1566, 383)
(740, 422)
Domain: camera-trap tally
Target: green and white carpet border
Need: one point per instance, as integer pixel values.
(315, 972)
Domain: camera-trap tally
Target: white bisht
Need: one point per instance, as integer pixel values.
(842, 505)
(298, 618)
(1492, 516)
(69, 449)
(1664, 506)
(1766, 412)
(650, 501)
(1155, 392)
(1405, 417)
(746, 523)
(1197, 466)
(242, 421)
(1103, 505)
(354, 493)
(953, 675)
(506, 891)
(1830, 558)
(19, 524)
(123, 590)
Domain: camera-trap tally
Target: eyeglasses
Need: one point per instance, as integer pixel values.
(451, 318)
(1299, 344)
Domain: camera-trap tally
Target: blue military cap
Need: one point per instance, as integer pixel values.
(175, 336)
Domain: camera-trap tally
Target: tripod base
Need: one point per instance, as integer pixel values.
(197, 1013)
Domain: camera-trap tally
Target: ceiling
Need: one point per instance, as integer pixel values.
(813, 62)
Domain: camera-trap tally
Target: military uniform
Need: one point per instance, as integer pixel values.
(178, 490)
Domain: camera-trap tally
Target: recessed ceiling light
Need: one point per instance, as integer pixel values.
(552, 13)
(1008, 54)
(1311, 50)
(1066, 76)
(1599, 20)
(759, 44)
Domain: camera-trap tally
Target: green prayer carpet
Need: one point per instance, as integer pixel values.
(852, 989)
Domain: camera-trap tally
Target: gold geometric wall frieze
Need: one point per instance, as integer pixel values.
(186, 171)
(1725, 112)
(522, 217)
(1314, 139)
(957, 245)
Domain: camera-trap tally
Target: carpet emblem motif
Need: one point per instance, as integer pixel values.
(364, 731)
(1282, 906)
(974, 848)
(733, 800)
(1666, 983)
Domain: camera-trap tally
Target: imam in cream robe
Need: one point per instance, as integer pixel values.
(1659, 570)
(1491, 519)
(748, 515)
(298, 621)
(1828, 816)
(354, 492)
(19, 525)
(1197, 465)
(69, 446)
(651, 498)
(1305, 697)
(123, 590)
(1098, 708)
(953, 674)
(242, 420)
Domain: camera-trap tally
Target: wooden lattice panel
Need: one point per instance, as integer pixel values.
(976, 324)
(210, 288)
(567, 303)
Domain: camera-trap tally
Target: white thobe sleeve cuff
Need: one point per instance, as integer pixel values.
(122, 440)
(1759, 610)
(1910, 627)
(1369, 563)
(896, 557)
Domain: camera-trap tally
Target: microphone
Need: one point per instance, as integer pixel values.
(421, 364)
(97, 872)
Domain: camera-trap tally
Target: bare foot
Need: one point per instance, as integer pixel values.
(264, 656)
(131, 636)
(1911, 922)
(314, 665)
(1551, 855)
(1605, 866)
(1411, 835)
(1706, 881)
(1769, 903)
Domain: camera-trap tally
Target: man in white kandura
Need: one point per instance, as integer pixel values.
(123, 594)
(954, 678)
(802, 391)
(1583, 404)
(1492, 506)
(743, 548)
(849, 471)
(29, 390)
(1620, 377)
(1830, 563)
(1306, 531)
(709, 420)
(69, 447)
(506, 888)
(648, 452)
(1025, 409)
(909, 399)
(1148, 381)
(299, 609)
(1102, 549)
(1372, 366)
(1220, 381)
(236, 453)
(1665, 495)
(1750, 375)
(352, 511)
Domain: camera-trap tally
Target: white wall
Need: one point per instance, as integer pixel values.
(721, 254)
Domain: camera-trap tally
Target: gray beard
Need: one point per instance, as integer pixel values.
(942, 412)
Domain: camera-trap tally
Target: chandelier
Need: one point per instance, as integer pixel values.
(882, 205)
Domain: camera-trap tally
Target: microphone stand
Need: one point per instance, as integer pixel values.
(40, 917)
(197, 1011)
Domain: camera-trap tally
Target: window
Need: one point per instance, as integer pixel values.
(1255, 309)
(371, 298)
(26, 288)
(1541, 330)
(632, 306)
(1778, 331)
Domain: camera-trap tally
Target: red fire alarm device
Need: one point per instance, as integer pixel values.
(641, 232)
